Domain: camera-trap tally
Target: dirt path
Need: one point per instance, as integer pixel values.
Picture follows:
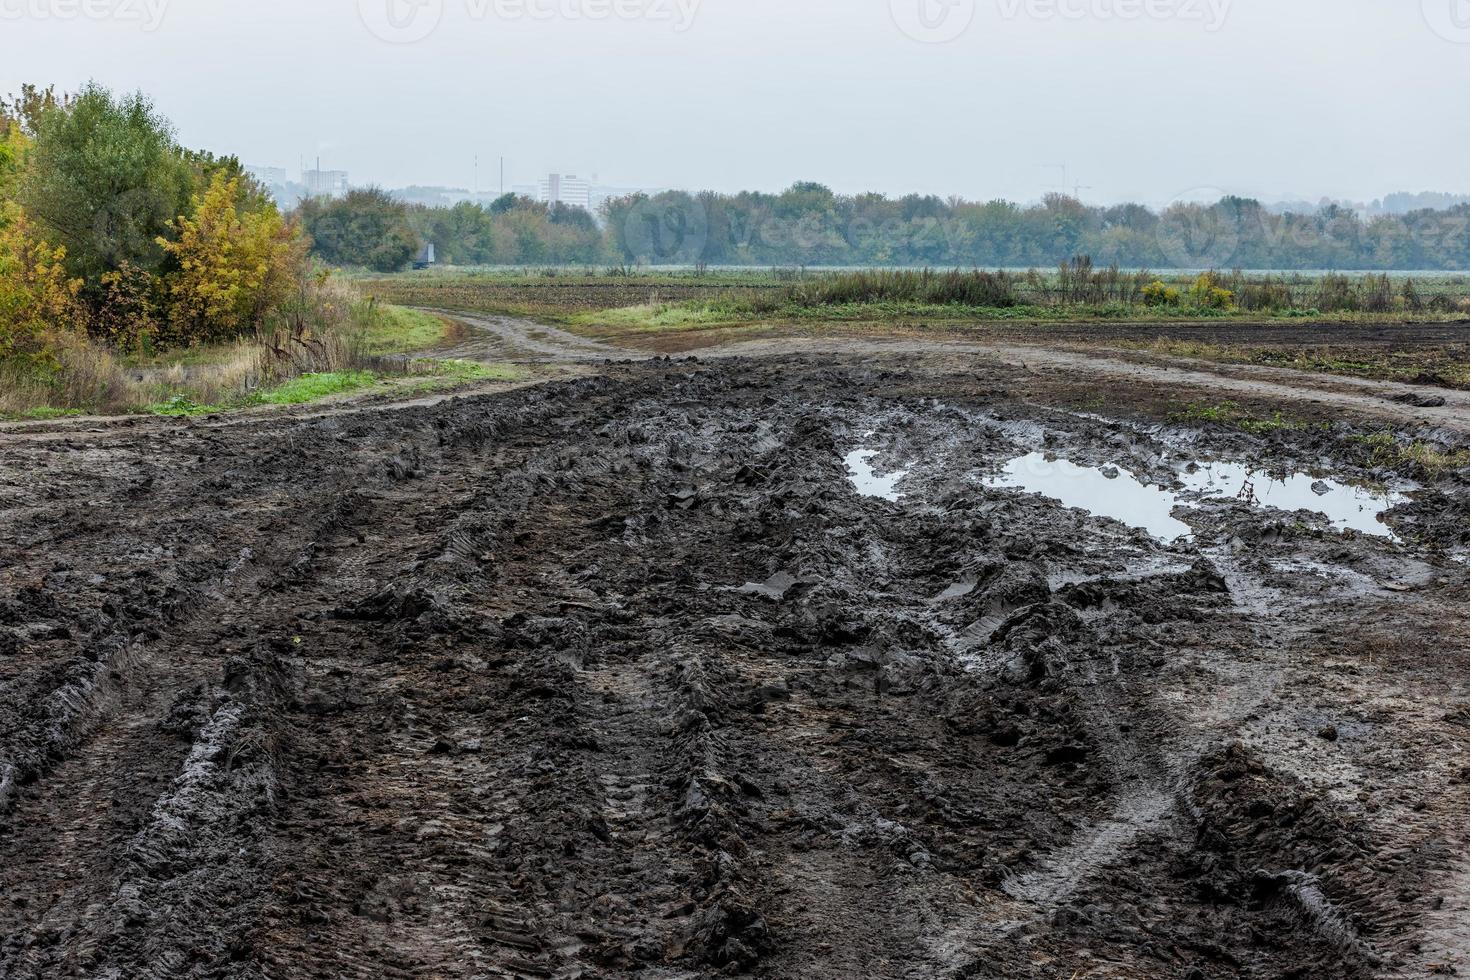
(502, 338)
(620, 675)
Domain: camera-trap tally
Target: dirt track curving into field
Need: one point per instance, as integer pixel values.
(621, 675)
(1062, 353)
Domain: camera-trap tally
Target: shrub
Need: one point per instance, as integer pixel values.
(1158, 294)
(1269, 294)
(1335, 294)
(233, 268)
(976, 288)
(37, 298)
(1208, 294)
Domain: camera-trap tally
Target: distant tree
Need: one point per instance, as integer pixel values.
(367, 228)
(504, 203)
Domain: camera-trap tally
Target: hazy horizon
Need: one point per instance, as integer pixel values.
(1142, 100)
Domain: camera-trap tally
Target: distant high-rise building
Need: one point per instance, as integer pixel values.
(324, 183)
(269, 176)
(568, 189)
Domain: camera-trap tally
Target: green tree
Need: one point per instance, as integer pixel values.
(104, 180)
(367, 228)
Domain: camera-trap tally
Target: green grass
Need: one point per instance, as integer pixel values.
(651, 300)
(47, 412)
(297, 391)
(398, 330)
(423, 377)
(449, 374)
(1386, 449)
(181, 406)
(314, 387)
(1231, 415)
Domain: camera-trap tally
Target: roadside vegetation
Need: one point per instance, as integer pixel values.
(1443, 365)
(1076, 291)
(138, 275)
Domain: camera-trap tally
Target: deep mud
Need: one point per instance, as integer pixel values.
(623, 676)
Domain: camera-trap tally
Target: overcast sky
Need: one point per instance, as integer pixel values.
(1141, 99)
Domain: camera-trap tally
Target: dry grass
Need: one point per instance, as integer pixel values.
(322, 331)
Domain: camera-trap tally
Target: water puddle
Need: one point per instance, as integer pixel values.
(774, 588)
(1112, 492)
(1347, 507)
(1107, 492)
(869, 483)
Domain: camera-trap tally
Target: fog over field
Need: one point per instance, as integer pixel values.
(1145, 100)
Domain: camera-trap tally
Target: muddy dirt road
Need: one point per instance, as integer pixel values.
(659, 672)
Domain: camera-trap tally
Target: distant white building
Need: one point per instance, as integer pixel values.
(568, 189)
(269, 176)
(325, 183)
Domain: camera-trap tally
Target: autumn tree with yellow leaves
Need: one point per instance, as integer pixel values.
(233, 267)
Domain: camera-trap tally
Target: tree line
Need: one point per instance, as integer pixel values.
(810, 225)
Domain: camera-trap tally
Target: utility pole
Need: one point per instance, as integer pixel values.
(502, 176)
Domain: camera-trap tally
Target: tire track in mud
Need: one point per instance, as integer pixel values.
(501, 696)
(101, 768)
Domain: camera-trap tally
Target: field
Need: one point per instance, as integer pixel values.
(806, 642)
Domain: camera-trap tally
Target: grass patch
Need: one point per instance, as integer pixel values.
(1386, 449)
(388, 329)
(314, 387)
(1445, 365)
(181, 406)
(1231, 415)
(650, 299)
(298, 391)
(46, 412)
(423, 376)
(440, 375)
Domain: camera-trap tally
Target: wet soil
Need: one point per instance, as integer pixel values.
(623, 675)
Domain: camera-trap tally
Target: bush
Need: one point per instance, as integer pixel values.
(1269, 294)
(1158, 294)
(959, 288)
(1208, 294)
(233, 268)
(37, 299)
